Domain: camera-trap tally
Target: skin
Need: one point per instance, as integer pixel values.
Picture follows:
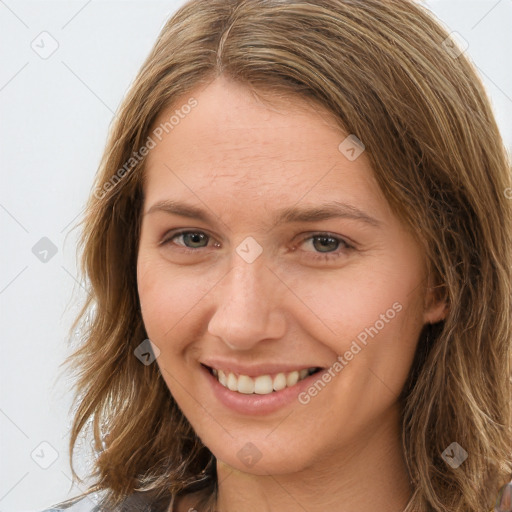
(241, 159)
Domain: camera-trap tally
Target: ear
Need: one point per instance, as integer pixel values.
(436, 305)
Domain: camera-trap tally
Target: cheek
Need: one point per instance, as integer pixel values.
(168, 298)
(347, 301)
(166, 295)
(370, 316)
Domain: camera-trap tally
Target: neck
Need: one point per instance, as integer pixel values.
(371, 474)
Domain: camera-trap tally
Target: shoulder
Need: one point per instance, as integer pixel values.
(87, 503)
(94, 502)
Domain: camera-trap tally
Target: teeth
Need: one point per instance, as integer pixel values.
(232, 382)
(292, 378)
(246, 385)
(263, 384)
(279, 382)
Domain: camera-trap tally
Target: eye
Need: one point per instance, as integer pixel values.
(194, 238)
(328, 247)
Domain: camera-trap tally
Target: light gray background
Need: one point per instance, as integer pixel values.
(55, 113)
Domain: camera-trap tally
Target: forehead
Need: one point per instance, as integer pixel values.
(282, 148)
(230, 115)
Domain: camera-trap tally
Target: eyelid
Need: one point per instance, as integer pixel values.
(342, 238)
(345, 244)
(169, 235)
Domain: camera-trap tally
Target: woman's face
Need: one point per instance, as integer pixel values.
(268, 279)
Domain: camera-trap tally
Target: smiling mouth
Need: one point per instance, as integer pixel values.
(262, 384)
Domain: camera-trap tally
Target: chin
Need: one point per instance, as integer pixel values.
(270, 465)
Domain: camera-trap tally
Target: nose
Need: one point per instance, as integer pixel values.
(248, 306)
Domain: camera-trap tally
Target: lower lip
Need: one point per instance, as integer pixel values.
(255, 404)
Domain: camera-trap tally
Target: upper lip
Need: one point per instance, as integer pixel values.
(256, 369)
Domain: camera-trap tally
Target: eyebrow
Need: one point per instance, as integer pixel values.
(330, 210)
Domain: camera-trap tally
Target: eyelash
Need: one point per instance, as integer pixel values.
(330, 256)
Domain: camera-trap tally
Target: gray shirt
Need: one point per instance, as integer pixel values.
(137, 502)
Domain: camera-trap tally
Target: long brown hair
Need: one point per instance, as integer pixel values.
(386, 72)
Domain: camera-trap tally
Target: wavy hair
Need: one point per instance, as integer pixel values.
(385, 71)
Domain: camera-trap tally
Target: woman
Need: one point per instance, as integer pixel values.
(299, 251)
